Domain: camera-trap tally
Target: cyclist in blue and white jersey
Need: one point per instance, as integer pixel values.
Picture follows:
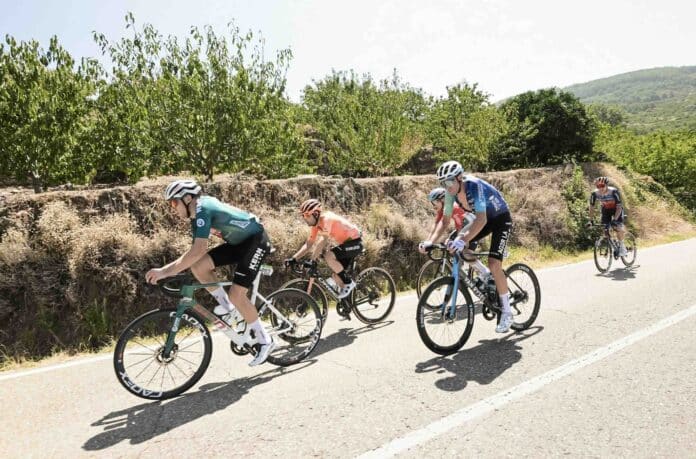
(492, 216)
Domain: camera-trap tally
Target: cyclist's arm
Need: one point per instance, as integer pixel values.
(444, 222)
(185, 261)
(479, 205)
(306, 247)
(619, 205)
(479, 222)
(591, 206)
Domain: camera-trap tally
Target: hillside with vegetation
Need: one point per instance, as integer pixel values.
(658, 98)
(72, 263)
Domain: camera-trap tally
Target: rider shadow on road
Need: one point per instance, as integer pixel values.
(344, 337)
(621, 274)
(145, 421)
(482, 363)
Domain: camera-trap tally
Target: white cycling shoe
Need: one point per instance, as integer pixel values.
(345, 291)
(263, 353)
(505, 323)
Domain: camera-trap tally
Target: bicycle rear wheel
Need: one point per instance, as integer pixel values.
(603, 254)
(139, 360)
(442, 331)
(431, 270)
(525, 295)
(296, 326)
(631, 248)
(374, 295)
(317, 293)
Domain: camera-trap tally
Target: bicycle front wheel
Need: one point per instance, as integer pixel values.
(525, 295)
(603, 254)
(295, 323)
(317, 293)
(374, 295)
(139, 360)
(431, 270)
(441, 329)
(631, 248)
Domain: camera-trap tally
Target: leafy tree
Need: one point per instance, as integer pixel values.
(464, 126)
(548, 127)
(607, 114)
(368, 128)
(208, 104)
(668, 156)
(44, 109)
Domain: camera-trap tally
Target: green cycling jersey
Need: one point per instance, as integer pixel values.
(234, 225)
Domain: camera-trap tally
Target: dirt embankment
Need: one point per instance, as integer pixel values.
(72, 263)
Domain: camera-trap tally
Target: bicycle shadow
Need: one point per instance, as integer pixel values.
(344, 337)
(621, 274)
(482, 363)
(145, 421)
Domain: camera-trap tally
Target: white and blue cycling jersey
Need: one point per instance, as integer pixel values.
(481, 196)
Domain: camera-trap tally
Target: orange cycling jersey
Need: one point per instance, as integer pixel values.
(458, 215)
(334, 226)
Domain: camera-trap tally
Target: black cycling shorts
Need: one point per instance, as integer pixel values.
(247, 255)
(500, 227)
(608, 215)
(346, 252)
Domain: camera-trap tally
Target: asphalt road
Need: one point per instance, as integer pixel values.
(609, 369)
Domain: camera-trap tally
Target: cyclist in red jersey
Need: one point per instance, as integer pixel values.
(459, 215)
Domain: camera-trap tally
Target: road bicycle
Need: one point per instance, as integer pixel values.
(164, 352)
(446, 311)
(607, 248)
(371, 300)
(439, 264)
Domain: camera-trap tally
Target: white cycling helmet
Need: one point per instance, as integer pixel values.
(449, 170)
(436, 194)
(180, 188)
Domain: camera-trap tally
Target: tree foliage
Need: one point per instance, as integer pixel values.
(546, 127)
(464, 126)
(44, 111)
(368, 127)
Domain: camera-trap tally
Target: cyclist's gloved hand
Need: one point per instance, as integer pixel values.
(424, 246)
(456, 245)
(290, 262)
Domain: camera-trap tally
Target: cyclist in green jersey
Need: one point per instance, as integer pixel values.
(246, 245)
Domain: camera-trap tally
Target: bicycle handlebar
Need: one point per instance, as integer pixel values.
(171, 286)
(466, 256)
(303, 267)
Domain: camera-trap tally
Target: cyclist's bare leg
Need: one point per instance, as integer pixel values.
(496, 267)
(204, 272)
(335, 266)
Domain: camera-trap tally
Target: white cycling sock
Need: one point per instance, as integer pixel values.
(505, 302)
(223, 300)
(261, 333)
(481, 268)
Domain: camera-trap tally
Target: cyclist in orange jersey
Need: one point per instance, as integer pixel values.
(345, 236)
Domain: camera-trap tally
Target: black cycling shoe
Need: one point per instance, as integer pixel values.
(343, 311)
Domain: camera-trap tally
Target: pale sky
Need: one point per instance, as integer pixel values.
(507, 47)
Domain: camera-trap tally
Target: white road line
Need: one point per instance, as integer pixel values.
(493, 402)
(408, 296)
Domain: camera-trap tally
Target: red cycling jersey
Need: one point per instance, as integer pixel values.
(458, 215)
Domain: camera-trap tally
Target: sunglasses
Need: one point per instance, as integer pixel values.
(447, 183)
(600, 185)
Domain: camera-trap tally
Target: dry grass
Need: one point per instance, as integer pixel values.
(72, 264)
